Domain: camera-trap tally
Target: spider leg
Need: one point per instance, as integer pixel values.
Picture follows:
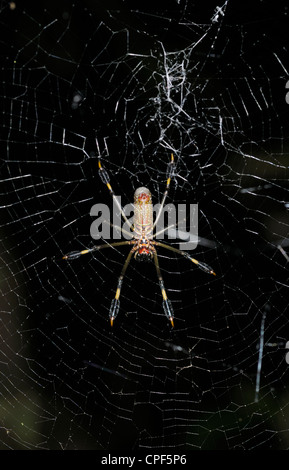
(203, 266)
(163, 230)
(167, 305)
(167, 228)
(120, 229)
(104, 176)
(77, 254)
(170, 172)
(115, 303)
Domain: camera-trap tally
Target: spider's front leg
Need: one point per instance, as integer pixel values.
(170, 173)
(104, 176)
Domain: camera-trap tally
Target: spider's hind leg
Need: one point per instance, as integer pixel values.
(167, 305)
(115, 303)
(203, 266)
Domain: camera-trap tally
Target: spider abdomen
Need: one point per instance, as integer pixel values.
(143, 214)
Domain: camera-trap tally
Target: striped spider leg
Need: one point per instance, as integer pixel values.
(114, 308)
(167, 305)
(203, 266)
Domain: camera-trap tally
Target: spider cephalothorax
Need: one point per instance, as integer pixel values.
(144, 251)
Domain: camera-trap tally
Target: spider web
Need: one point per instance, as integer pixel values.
(133, 85)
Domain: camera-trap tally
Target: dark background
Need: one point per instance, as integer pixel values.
(67, 380)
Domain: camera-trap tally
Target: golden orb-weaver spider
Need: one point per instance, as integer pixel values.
(143, 243)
